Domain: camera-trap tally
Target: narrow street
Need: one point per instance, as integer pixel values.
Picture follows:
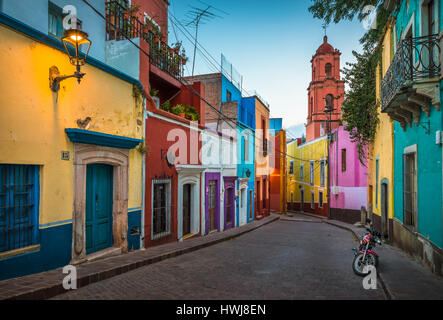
(282, 260)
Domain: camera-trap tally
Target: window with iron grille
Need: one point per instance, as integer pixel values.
(301, 172)
(322, 173)
(19, 206)
(312, 172)
(161, 209)
(228, 96)
(246, 148)
(320, 199)
(291, 167)
(410, 190)
(343, 160)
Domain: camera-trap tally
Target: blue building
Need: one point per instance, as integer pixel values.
(224, 92)
(411, 94)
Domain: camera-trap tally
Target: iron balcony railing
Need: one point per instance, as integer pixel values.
(121, 25)
(415, 59)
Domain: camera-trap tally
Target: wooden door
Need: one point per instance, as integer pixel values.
(384, 209)
(229, 206)
(99, 194)
(187, 209)
(212, 205)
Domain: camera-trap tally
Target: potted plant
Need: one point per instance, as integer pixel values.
(177, 47)
(166, 106)
(179, 110)
(192, 113)
(153, 92)
(147, 27)
(184, 58)
(131, 11)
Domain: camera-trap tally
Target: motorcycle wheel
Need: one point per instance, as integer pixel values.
(358, 265)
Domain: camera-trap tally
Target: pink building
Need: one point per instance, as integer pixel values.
(348, 178)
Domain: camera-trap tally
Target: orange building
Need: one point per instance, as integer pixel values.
(277, 166)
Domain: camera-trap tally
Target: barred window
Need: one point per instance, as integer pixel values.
(19, 206)
(161, 209)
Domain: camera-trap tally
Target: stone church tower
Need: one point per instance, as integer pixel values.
(326, 88)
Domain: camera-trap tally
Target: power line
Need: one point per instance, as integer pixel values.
(186, 85)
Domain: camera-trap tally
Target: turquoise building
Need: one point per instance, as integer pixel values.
(245, 132)
(411, 95)
(246, 161)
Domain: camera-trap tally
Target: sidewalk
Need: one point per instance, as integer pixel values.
(49, 284)
(402, 277)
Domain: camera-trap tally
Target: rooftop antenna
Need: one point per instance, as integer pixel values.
(201, 16)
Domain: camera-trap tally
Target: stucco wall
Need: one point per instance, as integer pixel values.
(34, 119)
(351, 184)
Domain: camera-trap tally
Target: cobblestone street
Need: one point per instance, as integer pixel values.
(282, 260)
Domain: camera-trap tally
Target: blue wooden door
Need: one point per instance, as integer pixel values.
(99, 193)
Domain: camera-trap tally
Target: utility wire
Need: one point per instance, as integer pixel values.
(185, 83)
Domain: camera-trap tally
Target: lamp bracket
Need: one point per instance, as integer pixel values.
(55, 78)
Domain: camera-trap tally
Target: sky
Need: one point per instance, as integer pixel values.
(270, 43)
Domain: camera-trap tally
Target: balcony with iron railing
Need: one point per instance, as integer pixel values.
(411, 83)
(121, 24)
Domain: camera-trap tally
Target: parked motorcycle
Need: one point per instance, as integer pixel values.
(365, 254)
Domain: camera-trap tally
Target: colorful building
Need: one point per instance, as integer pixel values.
(348, 178)
(410, 98)
(307, 174)
(307, 161)
(278, 172)
(381, 152)
(262, 155)
(174, 120)
(70, 166)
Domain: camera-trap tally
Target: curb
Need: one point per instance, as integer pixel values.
(56, 288)
(309, 215)
(384, 287)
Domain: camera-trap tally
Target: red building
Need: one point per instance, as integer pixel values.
(325, 88)
(172, 170)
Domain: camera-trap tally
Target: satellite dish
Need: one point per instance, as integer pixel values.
(170, 159)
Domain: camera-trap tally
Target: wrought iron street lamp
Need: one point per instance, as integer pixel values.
(74, 41)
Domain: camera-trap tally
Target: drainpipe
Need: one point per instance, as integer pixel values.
(142, 231)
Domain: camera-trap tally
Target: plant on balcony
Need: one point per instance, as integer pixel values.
(179, 110)
(166, 106)
(192, 113)
(153, 92)
(184, 58)
(177, 47)
(132, 11)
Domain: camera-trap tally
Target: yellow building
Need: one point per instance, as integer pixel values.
(66, 157)
(307, 176)
(381, 152)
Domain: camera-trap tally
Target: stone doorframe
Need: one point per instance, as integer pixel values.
(117, 158)
(189, 175)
